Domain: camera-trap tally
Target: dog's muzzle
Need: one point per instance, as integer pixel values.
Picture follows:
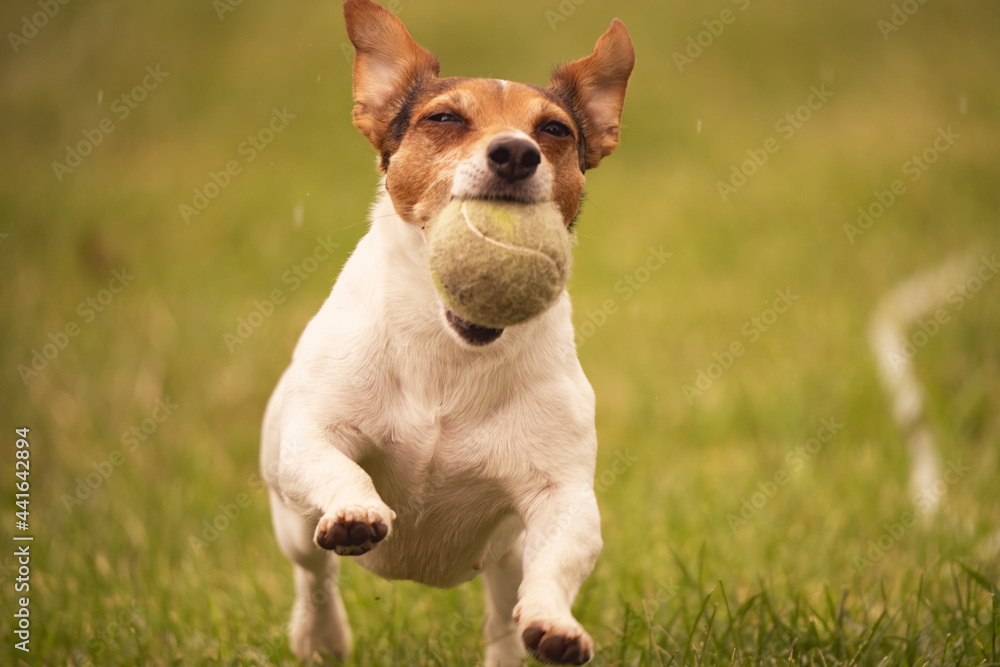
(473, 334)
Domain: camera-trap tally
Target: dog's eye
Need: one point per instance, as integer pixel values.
(556, 129)
(444, 118)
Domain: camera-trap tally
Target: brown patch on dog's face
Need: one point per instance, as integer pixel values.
(454, 120)
(434, 135)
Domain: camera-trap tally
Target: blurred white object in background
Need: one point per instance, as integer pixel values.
(910, 301)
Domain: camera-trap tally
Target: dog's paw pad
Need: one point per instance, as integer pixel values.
(352, 531)
(557, 648)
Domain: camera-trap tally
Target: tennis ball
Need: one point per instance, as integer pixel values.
(498, 263)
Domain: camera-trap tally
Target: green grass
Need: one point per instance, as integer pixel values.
(118, 580)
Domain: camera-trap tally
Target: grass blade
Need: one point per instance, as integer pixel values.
(694, 628)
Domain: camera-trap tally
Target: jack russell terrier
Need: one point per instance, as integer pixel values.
(426, 447)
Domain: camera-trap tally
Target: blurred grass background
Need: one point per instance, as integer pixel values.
(117, 578)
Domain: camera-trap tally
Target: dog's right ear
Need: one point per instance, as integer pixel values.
(595, 88)
(388, 66)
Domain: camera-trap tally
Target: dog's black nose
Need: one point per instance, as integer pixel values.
(513, 159)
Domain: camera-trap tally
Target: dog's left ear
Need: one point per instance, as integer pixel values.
(594, 88)
(388, 67)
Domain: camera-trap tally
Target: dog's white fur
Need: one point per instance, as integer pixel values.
(478, 452)
(477, 459)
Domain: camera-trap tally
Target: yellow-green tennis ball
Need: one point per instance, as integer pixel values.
(497, 263)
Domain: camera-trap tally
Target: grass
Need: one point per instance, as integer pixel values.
(170, 558)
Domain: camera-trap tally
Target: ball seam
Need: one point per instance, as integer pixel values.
(507, 246)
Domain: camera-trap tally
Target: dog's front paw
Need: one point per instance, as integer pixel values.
(354, 530)
(558, 644)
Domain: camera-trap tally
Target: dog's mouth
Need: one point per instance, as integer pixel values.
(473, 334)
(505, 197)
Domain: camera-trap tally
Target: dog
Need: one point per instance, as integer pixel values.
(424, 446)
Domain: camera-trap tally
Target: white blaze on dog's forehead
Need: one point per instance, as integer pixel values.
(512, 133)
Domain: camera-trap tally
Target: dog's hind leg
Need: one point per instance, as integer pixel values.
(319, 619)
(501, 580)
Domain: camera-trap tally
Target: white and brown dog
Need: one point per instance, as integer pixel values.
(426, 447)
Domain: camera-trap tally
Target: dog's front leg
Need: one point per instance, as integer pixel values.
(562, 541)
(317, 476)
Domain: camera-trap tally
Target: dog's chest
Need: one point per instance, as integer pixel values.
(453, 497)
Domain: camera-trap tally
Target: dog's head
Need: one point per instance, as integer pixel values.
(440, 139)
(443, 138)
